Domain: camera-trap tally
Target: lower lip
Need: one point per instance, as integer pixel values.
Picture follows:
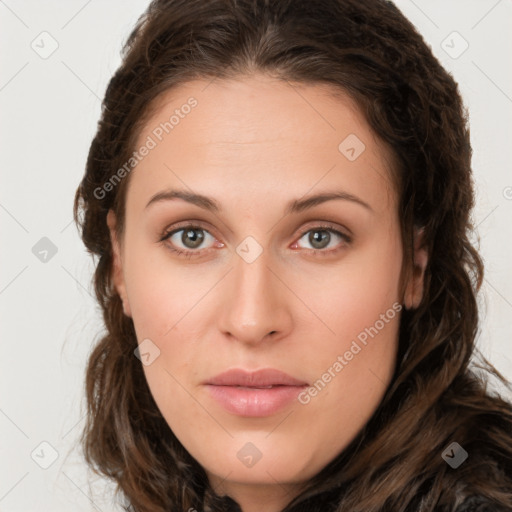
(254, 402)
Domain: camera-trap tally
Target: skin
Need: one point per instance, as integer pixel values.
(254, 144)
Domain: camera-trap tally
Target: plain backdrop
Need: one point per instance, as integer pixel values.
(50, 104)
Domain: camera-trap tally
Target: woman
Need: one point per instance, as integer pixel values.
(279, 197)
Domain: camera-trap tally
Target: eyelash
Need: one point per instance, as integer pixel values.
(194, 253)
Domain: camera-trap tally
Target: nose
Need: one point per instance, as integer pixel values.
(255, 303)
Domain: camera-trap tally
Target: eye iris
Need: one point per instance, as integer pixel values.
(195, 235)
(316, 238)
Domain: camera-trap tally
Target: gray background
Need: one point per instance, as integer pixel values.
(49, 110)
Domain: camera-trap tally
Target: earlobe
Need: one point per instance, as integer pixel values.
(415, 286)
(117, 266)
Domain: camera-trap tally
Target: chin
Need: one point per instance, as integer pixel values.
(267, 470)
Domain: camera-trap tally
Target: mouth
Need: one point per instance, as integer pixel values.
(265, 378)
(258, 387)
(254, 394)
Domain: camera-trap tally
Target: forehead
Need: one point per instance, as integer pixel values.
(245, 110)
(261, 133)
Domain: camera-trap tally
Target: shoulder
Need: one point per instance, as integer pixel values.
(481, 481)
(480, 504)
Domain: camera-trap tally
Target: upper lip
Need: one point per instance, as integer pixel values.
(259, 378)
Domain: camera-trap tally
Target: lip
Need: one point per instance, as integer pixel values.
(253, 394)
(259, 378)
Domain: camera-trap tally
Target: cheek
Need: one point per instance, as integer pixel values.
(352, 295)
(163, 293)
(353, 357)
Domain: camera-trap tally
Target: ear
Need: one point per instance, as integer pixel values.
(415, 285)
(117, 264)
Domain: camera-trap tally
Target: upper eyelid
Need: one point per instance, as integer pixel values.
(195, 225)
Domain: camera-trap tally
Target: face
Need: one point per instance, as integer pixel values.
(227, 262)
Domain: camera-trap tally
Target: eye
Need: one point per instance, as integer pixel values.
(187, 239)
(190, 240)
(323, 239)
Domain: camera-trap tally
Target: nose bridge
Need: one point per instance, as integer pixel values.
(254, 305)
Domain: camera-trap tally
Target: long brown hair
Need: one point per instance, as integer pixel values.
(368, 49)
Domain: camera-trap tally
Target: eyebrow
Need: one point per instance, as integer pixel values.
(294, 206)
